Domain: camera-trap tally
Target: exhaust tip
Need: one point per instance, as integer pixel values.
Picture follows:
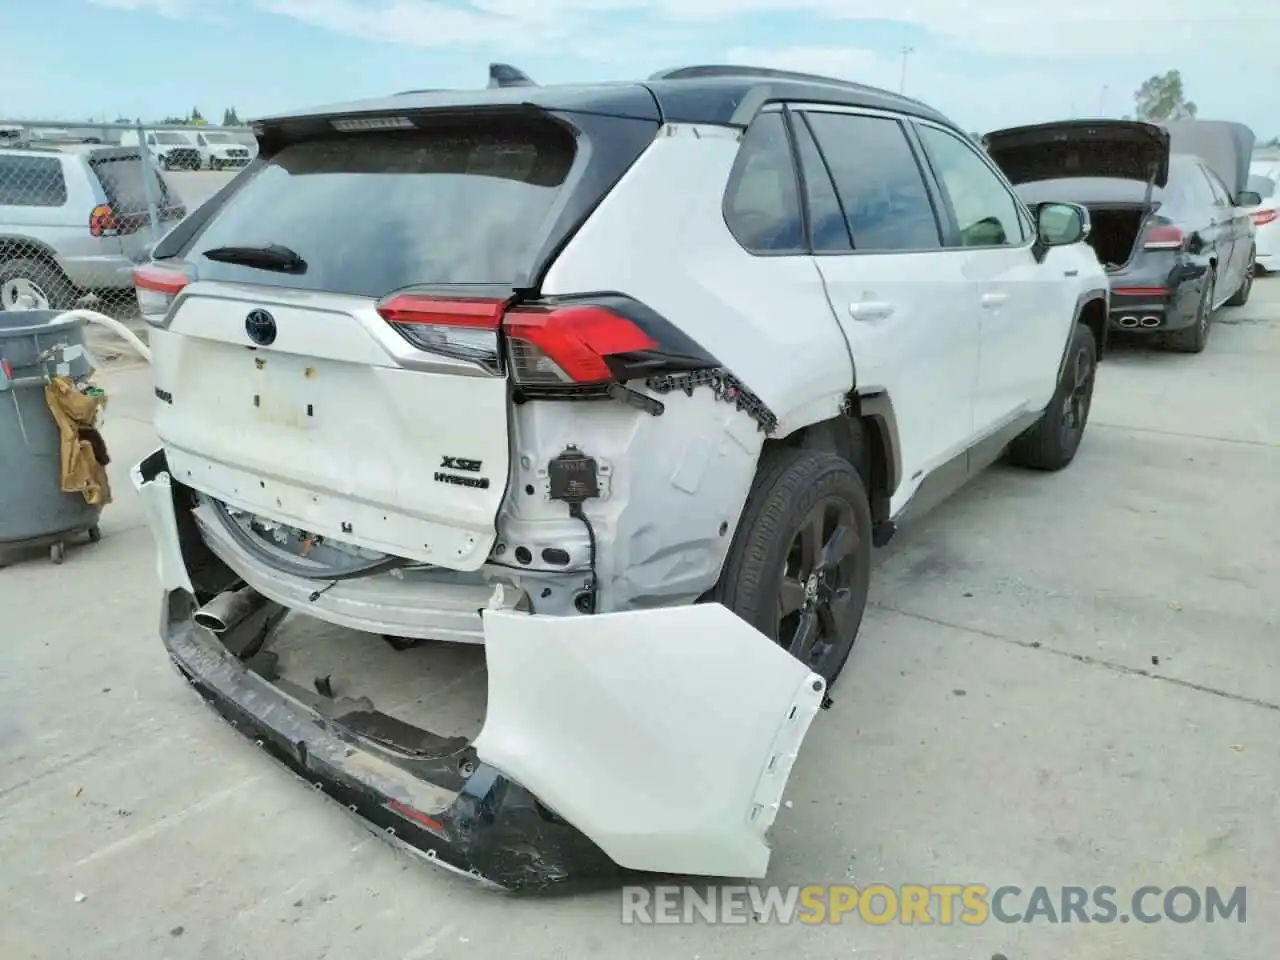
(1150, 322)
(210, 621)
(1128, 322)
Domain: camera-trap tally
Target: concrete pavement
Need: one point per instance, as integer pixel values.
(1065, 679)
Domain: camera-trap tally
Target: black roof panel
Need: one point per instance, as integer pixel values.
(725, 95)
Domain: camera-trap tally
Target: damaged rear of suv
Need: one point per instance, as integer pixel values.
(602, 383)
(373, 410)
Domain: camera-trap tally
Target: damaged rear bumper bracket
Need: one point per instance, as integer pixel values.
(643, 742)
(476, 821)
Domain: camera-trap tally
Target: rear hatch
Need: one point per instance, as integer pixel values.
(348, 382)
(1123, 149)
(120, 171)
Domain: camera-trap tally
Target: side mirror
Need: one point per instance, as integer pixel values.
(1062, 224)
(1248, 198)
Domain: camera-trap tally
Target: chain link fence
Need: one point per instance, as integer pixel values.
(81, 206)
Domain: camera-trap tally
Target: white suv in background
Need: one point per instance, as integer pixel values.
(622, 381)
(1264, 177)
(219, 150)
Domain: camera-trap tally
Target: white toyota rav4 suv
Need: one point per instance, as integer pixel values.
(622, 381)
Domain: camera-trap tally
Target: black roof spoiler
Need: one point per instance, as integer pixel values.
(505, 75)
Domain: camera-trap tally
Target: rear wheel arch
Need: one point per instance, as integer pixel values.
(1093, 314)
(865, 434)
(25, 248)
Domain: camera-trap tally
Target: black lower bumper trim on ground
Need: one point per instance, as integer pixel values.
(451, 808)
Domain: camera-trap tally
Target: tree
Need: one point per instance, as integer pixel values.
(195, 116)
(1162, 98)
(230, 118)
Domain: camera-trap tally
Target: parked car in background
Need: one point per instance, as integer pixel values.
(248, 141)
(219, 150)
(170, 150)
(1173, 237)
(622, 381)
(1263, 180)
(72, 222)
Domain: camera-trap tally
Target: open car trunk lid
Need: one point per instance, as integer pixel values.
(298, 397)
(1123, 149)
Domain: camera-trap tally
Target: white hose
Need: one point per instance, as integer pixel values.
(115, 326)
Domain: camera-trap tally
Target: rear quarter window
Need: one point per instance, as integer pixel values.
(32, 182)
(375, 212)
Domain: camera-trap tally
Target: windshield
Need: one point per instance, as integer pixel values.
(219, 138)
(377, 212)
(170, 138)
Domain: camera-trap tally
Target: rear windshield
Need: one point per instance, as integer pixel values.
(375, 212)
(121, 179)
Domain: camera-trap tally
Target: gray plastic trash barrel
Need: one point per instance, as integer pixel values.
(32, 504)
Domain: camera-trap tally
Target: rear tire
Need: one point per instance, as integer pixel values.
(1194, 338)
(1241, 296)
(803, 546)
(1052, 441)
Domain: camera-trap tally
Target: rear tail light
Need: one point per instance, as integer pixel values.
(105, 222)
(156, 289)
(102, 221)
(1262, 217)
(1164, 238)
(550, 347)
(463, 329)
(570, 344)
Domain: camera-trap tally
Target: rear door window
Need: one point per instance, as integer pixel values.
(32, 182)
(827, 224)
(881, 189)
(375, 212)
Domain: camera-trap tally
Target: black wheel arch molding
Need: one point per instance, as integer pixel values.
(1091, 310)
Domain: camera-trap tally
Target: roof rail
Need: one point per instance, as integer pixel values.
(505, 75)
(707, 71)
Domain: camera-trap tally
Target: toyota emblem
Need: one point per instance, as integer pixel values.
(261, 327)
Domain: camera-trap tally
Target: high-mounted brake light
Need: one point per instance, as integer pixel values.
(156, 288)
(364, 124)
(1262, 217)
(1164, 238)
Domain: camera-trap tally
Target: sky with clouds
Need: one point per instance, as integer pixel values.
(988, 63)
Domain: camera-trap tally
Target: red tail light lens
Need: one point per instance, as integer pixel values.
(569, 345)
(102, 221)
(1262, 217)
(553, 346)
(1164, 238)
(464, 329)
(105, 222)
(156, 288)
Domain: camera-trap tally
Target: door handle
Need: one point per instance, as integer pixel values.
(870, 310)
(992, 301)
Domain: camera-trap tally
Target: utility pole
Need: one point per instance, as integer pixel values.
(902, 80)
(1102, 100)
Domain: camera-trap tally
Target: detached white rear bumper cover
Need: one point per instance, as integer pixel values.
(656, 741)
